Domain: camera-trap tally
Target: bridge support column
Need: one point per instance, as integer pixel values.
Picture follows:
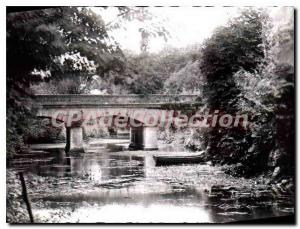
(136, 138)
(150, 138)
(74, 139)
(143, 138)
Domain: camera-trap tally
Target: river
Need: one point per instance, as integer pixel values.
(114, 186)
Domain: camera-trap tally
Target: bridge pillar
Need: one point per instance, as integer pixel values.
(143, 138)
(74, 139)
(136, 138)
(150, 138)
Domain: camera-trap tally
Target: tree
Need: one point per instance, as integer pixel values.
(269, 95)
(149, 25)
(110, 77)
(238, 45)
(186, 80)
(37, 41)
(66, 45)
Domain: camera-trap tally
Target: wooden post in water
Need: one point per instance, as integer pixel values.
(25, 197)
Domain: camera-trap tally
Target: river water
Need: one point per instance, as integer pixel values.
(114, 186)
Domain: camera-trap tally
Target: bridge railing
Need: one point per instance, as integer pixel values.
(66, 99)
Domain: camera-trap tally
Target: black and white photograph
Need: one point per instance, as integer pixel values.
(150, 115)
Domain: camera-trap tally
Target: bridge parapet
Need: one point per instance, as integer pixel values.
(114, 100)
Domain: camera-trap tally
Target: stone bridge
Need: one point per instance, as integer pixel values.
(79, 108)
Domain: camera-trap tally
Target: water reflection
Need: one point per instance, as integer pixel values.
(101, 186)
(132, 213)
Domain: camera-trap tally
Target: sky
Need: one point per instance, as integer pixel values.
(187, 25)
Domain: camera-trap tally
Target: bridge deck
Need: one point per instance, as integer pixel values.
(115, 100)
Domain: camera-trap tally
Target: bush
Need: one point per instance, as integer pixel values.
(44, 132)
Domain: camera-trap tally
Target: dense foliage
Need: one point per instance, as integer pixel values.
(42, 43)
(246, 73)
(60, 50)
(235, 46)
(245, 66)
